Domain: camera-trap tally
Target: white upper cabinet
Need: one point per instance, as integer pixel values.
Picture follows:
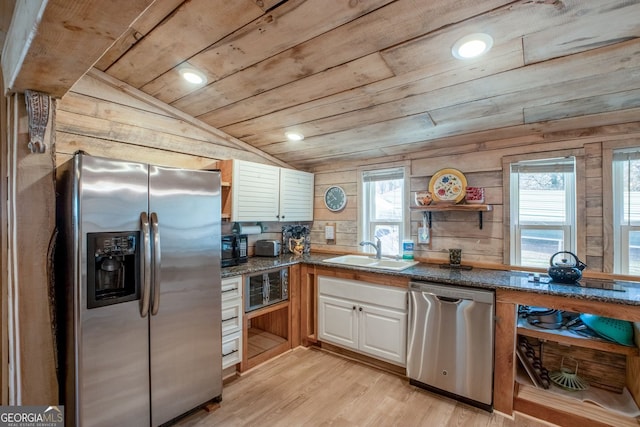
(255, 190)
(296, 195)
(262, 192)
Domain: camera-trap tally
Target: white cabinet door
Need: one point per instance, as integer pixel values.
(256, 189)
(338, 321)
(296, 195)
(383, 333)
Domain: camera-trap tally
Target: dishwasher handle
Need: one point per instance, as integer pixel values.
(449, 300)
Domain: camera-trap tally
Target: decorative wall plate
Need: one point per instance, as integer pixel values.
(448, 185)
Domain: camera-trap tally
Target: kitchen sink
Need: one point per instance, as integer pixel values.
(370, 262)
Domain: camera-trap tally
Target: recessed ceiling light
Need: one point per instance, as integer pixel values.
(193, 76)
(472, 46)
(294, 136)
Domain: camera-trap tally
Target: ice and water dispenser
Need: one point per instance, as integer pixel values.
(113, 265)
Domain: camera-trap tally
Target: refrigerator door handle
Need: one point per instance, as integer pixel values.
(157, 257)
(146, 265)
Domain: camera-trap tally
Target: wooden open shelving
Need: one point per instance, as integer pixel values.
(450, 207)
(565, 337)
(267, 334)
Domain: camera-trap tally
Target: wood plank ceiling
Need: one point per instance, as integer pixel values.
(364, 79)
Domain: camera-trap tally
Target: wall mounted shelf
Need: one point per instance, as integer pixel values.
(427, 210)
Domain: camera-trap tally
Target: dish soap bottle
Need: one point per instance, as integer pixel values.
(407, 249)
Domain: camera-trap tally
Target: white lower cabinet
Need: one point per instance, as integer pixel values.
(368, 318)
(231, 321)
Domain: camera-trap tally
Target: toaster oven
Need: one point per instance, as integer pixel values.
(265, 288)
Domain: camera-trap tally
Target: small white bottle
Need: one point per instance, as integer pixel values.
(407, 249)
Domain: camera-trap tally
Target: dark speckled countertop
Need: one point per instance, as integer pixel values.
(476, 278)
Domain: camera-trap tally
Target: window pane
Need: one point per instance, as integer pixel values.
(631, 192)
(388, 201)
(389, 235)
(542, 198)
(537, 246)
(634, 253)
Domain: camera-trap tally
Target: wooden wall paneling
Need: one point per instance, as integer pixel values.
(145, 61)
(73, 123)
(133, 92)
(32, 227)
(284, 27)
(93, 87)
(4, 244)
(356, 73)
(67, 144)
(98, 108)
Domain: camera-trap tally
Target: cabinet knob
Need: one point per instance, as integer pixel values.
(360, 308)
(354, 307)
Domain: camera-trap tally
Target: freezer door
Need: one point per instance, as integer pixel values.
(185, 331)
(111, 342)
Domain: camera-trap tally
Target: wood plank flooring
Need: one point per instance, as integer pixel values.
(311, 387)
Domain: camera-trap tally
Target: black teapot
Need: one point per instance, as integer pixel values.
(566, 271)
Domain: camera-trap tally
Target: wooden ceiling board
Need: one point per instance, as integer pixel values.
(189, 29)
(356, 73)
(583, 106)
(289, 25)
(52, 47)
(319, 116)
(481, 97)
(361, 79)
(615, 22)
(151, 17)
(372, 32)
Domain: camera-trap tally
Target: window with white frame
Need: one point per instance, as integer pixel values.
(543, 213)
(626, 211)
(384, 209)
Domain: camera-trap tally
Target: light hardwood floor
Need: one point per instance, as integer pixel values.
(311, 387)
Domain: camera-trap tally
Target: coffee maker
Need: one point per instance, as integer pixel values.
(112, 268)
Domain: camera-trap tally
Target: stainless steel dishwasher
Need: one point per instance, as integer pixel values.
(450, 342)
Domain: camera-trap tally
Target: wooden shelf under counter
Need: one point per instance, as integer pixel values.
(267, 333)
(568, 338)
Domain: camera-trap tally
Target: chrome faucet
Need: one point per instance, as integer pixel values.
(377, 245)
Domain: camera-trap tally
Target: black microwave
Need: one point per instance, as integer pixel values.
(234, 249)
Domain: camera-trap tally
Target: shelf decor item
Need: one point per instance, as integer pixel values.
(474, 195)
(448, 185)
(423, 198)
(567, 379)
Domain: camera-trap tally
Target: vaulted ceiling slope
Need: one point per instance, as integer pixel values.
(364, 79)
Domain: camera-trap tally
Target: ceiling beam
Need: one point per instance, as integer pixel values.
(52, 43)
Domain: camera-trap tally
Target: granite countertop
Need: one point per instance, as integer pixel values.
(628, 293)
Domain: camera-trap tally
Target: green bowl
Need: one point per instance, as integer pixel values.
(616, 330)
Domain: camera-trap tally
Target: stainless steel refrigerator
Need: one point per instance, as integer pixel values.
(138, 275)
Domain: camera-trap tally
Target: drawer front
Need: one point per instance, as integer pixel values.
(231, 317)
(231, 288)
(231, 349)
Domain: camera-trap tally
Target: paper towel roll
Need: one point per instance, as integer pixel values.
(248, 229)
